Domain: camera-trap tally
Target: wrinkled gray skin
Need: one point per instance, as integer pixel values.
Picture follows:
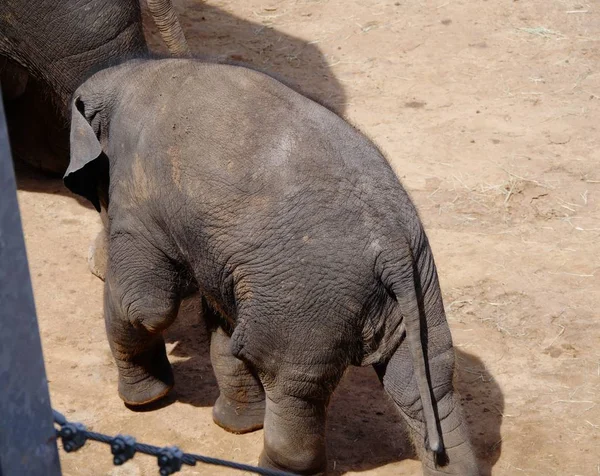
(58, 43)
(305, 246)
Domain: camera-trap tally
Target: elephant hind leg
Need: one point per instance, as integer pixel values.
(400, 384)
(294, 437)
(299, 367)
(240, 407)
(297, 396)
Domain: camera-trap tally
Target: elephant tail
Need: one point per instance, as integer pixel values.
(399, 276)
(408, 305)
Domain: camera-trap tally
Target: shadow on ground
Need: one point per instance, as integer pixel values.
(33, 180)
(366, 432)
(364, 429)
(213, 31)
(195, 382)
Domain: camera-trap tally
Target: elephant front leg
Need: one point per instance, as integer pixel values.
(240, 407)
(98, 250)
(140, 302)
(98, 255)
(145, 374)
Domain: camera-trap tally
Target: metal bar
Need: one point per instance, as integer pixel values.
(27, 435)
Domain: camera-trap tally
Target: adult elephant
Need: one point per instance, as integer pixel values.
(49, 47)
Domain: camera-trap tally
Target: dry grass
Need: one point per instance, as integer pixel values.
(542, 31)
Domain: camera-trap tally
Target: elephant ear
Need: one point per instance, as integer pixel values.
(88, 167)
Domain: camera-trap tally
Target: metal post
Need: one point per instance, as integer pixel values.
(27, 435)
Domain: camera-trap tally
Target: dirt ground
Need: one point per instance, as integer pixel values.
(489, 112)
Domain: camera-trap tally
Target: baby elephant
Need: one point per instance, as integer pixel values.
(296, 231)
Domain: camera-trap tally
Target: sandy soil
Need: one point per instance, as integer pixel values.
(489, 112)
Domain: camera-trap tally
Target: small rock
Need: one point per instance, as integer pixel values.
(559, 138)
(415, 104)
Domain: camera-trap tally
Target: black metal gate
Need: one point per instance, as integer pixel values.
(27, 434)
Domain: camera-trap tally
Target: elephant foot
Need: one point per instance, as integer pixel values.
(239, 417)
(240, 407)
(294, 437)
(98, 255)
(265, 462)
(145, 378)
